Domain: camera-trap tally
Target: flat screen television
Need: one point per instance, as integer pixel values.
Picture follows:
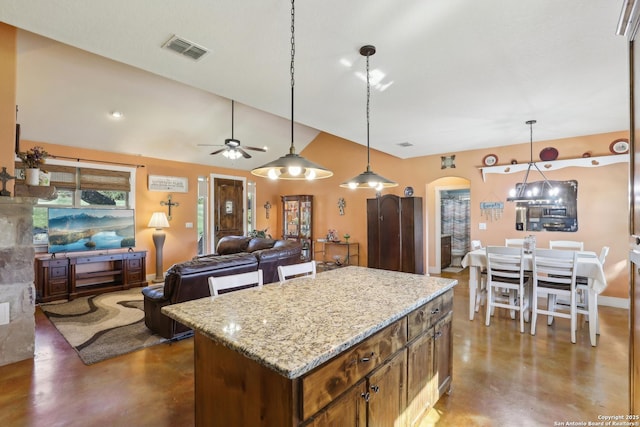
(86, 229)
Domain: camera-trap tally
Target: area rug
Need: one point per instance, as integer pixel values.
(103, 326)
(453, 269)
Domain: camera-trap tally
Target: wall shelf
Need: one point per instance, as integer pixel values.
(582, 162)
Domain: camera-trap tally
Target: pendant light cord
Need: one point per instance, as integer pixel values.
(531, 122)
(368, 118)
(232, 119)
(292, 149)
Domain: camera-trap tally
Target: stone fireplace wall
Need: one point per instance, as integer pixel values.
(17, 339)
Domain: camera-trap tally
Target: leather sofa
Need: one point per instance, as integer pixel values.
(189, 280)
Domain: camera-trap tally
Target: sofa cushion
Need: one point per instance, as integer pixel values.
(258, 243)
(232, 244)
(210, 263)
(179, 273)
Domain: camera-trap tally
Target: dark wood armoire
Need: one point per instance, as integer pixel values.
(394, 234)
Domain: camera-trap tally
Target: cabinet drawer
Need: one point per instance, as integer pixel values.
(134, 263)
(96, 258)
(58, 272)
(134, 255)
(334, 377)
(426, 316)
(57, 287)
(134, 276)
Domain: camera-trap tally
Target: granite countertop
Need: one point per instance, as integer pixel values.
(294, 327)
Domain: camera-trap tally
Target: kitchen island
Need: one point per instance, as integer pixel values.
(352, 346)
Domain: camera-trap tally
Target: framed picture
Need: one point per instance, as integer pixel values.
(174, 184)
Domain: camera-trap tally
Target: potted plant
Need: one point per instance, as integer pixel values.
(33, 159)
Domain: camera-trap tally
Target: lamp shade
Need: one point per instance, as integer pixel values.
(369, 179)
(292, 166)
(158, 220)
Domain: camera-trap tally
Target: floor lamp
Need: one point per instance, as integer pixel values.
(158, 221)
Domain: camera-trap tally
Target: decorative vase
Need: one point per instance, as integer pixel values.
(32, 176)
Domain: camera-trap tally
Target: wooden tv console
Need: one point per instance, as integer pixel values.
(72, 276)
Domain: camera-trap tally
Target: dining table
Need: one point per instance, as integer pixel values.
(589, 266)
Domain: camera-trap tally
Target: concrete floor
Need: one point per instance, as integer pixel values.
(500, 378)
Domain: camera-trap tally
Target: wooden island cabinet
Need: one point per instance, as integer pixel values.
(366, 361)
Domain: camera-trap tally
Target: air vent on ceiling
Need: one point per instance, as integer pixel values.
(185, 47)
(405, 144)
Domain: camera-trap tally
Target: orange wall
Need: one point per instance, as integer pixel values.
(8, 39)
(602, 192)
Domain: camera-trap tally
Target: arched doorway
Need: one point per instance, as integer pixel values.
(448, 215)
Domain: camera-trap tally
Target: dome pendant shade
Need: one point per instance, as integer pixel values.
(368, 178)
(292, 166)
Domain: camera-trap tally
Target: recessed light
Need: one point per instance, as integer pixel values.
(117, 114)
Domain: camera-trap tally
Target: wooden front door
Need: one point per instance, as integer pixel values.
(228, 215)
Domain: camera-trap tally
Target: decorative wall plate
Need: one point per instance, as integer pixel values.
(619, 146)
(548, 154)
(490, 160)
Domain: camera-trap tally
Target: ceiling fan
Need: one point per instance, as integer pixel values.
(231, 148)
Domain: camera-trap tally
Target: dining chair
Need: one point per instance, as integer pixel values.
(569, 245)
(507, 285)
(554, 276)
(234, 282)
(476, 244)
(514, 243)
(582, 285)
(303, 269)
(481, 294)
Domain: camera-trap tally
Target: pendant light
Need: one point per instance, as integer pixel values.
(536, 191)
(292, 166)
(368, 178)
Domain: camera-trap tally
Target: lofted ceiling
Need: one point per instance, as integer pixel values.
(454, 75)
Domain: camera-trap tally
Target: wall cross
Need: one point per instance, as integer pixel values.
(267, 207)
(170, 204)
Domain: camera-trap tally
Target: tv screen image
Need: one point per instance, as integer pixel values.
(79, 229)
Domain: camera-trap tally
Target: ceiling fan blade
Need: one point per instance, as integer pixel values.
(255, 149)
(218, 151)
(244, 153)
(210, 145)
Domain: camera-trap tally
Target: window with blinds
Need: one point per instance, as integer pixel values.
(78, 187)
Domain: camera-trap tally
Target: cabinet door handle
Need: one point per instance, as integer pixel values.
(366, 396)
(375, 388)
(367, 358)
(438, 334)
(436, 311)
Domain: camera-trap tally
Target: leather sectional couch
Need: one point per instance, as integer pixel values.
(189, 280)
